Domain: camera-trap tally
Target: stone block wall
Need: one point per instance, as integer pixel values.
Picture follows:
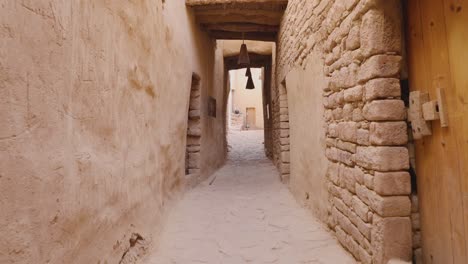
(280, 131)
(368, 183)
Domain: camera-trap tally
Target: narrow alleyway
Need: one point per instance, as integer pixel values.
(244, 214)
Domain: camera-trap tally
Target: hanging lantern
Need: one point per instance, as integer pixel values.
(250, 83)
(244, 59)
(248, 72)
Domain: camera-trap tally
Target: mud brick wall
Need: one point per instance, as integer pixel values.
(366, 133)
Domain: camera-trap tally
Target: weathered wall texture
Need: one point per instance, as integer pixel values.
(93, 112)
(356, 46)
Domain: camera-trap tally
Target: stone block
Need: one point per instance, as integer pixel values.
(382, 158)
(285, 157)
(380, 66)
(333, 130)
(363, 137)
(382, 88)
(195, 104)
(360, 208)
(348, 179)
(348, 112)
(392, 183)
(363, 193)
(344, 78)
(352, 246)
(334, 190)
(337, 113)
(357, 115)
(284, 125)
(350, 228)
(284, 133)
(353, 41)
(341, 235)
(369, 181)
(364, 256)
(328, 115)
(353, 94)
(194, 132)
(346, 197)
(330, 142)
(381, 30)
(194, 160)
(347, 146)
(348, 131)
(284, 118)
(285, 168)
(194, 114)
(389, 206)
(284, 141)
(341, 206)
(385, 110)
(338, 155)
(388, 133)
(363, 227)
(391, 239)
(333, 172)
(349, 4)
(193, 148)
(359, 175)
(327, 102)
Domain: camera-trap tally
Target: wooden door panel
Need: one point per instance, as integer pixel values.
(437, 34)
(456, 19)
(251, 117)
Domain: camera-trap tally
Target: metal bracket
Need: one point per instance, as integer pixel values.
(422, 110)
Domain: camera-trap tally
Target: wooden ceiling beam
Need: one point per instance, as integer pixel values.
(240, 27)
(241, 18)
(261, 36)
(229, 2)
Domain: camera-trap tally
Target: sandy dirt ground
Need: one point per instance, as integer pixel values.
(246, 215)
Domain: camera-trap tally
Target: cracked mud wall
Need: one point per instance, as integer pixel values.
(93, 113)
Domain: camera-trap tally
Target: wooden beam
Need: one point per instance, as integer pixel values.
(239, 18)
(227, 2)
(261, 36)
(254, 6)
(227, 12)
(240, 27)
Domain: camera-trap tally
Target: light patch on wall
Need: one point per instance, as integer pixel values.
(139, 80)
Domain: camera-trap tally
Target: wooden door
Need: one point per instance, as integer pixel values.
(251, 117)
(437, 45)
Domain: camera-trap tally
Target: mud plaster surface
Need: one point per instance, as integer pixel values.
(246, 216)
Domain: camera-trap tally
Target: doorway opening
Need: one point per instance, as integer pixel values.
(245, 114)
(283, 159)
(245, 106)
(194, 133)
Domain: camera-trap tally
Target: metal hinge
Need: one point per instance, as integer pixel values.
(422, 111)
